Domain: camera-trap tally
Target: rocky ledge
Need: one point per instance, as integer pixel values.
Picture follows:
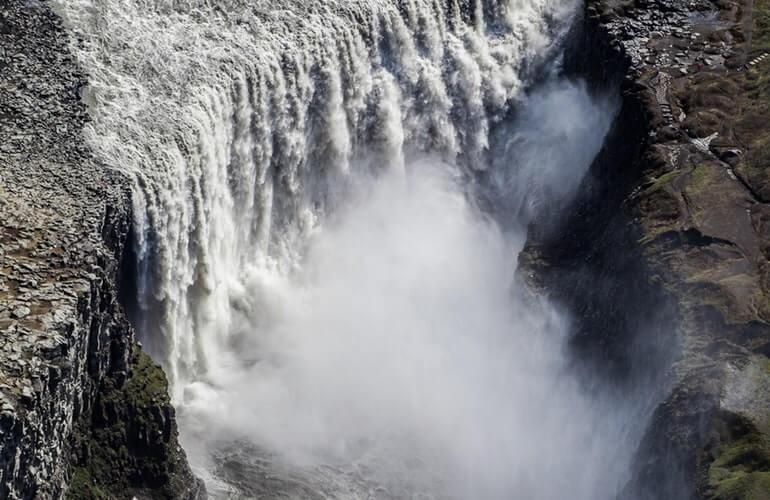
(83, 412)
(674, 229)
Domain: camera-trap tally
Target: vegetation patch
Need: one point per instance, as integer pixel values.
(752, 127)
(665, 180)
(741, 467)
(129, 446)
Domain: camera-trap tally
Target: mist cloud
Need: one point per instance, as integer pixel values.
(405, 338)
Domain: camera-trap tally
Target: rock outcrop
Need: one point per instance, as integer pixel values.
(674, 229)
(83, 413)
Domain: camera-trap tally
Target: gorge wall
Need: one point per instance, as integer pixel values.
(674, 212)
(672, 219)
(82, 410)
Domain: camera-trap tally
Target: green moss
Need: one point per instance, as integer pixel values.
(741, 468)
(700, 177)
(664, 180)
(82, 485)
(129, 446)
(147, 385)
(702, 189)
(740, 485)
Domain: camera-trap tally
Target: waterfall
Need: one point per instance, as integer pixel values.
(338, 316)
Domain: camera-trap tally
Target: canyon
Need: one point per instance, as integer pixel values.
(657, 252)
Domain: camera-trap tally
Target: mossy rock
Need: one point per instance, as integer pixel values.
(129, 447)
(741, 466)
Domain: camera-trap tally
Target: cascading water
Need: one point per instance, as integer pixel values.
(337, 316)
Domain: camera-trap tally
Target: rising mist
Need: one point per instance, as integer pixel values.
(327, 237)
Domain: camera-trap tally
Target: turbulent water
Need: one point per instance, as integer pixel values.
(337, 314)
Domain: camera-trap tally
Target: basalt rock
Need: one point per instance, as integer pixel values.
(69, 364)
(673, 229)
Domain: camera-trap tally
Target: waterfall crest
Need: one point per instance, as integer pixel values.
(334, 310)
(240, 120)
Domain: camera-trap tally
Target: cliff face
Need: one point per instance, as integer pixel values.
(83, 412)
(674, 222)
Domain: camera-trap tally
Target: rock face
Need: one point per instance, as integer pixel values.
(674, 228)
(83, 413)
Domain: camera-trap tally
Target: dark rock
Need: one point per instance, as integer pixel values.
(731, 156)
